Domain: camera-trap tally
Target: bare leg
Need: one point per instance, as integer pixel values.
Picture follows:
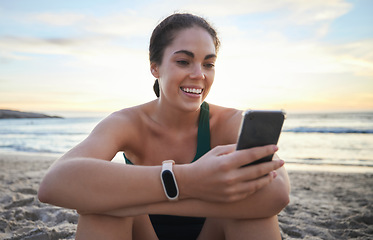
(213, 229)
(265, 228)
(234, 229)
(143, 228)
(104, 227)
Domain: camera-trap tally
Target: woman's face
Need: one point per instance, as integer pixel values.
(188, 68)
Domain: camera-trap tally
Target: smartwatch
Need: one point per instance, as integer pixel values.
(168, 180)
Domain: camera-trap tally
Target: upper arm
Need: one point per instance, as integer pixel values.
(106, 139)
(225, 125)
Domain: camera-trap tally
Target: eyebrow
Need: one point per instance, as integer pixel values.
(190, 54)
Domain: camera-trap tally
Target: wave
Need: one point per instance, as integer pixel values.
(336, 162)
(336, 130)
(368, 116)
(21, 148)
(39, 133)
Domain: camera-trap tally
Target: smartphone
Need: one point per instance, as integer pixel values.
(260, 128)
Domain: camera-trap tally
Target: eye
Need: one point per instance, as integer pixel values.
(182, 62)
(209, 65)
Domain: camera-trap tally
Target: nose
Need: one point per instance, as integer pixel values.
(197, 73)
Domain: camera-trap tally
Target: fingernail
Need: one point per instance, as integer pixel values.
(275, 148)
(274, 174)
(282, 162)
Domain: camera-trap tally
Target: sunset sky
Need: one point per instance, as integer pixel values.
(92, 55)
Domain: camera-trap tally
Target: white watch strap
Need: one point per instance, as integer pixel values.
(167, 166)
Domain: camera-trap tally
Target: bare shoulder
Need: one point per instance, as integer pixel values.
(124, 116)
(119, 119)
(124, 123)
(224, 124)
(111, 135)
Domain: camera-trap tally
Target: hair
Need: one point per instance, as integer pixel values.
(165, 32)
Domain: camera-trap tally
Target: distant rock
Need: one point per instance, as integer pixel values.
(17, 114)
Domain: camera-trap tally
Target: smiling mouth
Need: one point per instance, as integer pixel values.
(192, 90)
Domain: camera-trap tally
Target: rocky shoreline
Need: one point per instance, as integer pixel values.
(11, 114)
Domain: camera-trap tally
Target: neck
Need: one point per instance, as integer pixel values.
(172, 117)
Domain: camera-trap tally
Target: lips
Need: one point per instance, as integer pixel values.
(190, 90)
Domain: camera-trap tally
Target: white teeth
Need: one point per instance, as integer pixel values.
(192, 90)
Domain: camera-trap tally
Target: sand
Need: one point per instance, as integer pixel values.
(325, 203)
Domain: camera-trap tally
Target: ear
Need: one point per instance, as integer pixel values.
(154, 70)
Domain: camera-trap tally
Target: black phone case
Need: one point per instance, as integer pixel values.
(260, 128)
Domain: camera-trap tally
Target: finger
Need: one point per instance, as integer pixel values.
(276, 157)
(257, 171)
(245, 189)
(250, 155)
(224, 149)
(257, 184)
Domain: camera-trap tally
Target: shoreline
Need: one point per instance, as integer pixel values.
(325, 202)
(290, 166)
(327, 168)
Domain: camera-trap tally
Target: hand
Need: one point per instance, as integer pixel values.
(218, 175)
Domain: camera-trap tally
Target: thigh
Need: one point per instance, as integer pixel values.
(143, 228)
(253, 229)
(213, 229)
(240, 229)
(104, 227)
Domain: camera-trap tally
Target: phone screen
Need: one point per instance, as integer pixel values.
(260, 128)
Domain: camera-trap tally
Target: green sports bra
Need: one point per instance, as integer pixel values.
(203, 138)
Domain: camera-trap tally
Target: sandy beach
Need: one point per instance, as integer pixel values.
(325, 203)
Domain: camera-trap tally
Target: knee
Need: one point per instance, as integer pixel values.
(103, 220)
(261, 228)
(104, 227)
(239, 224)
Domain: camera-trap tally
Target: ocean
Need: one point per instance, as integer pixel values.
(311, 138)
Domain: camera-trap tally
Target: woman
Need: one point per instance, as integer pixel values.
(221, 199)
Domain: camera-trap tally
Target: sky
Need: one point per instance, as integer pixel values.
(92, 55)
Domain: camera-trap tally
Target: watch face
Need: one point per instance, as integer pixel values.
(169, 183)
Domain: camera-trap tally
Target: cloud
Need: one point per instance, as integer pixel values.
(261, 71)
(20, 48)
(316, 15)
(283, 56)
(58, 19)
(356, 56)
(124, 23)
(127, 25)
(309, 12)
(90, 30)
(300, 11)
(106, 55)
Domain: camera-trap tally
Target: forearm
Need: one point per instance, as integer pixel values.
(97, 186)
(267, 202)
(93, 186)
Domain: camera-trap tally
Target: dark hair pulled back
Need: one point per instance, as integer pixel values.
(165, 32)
